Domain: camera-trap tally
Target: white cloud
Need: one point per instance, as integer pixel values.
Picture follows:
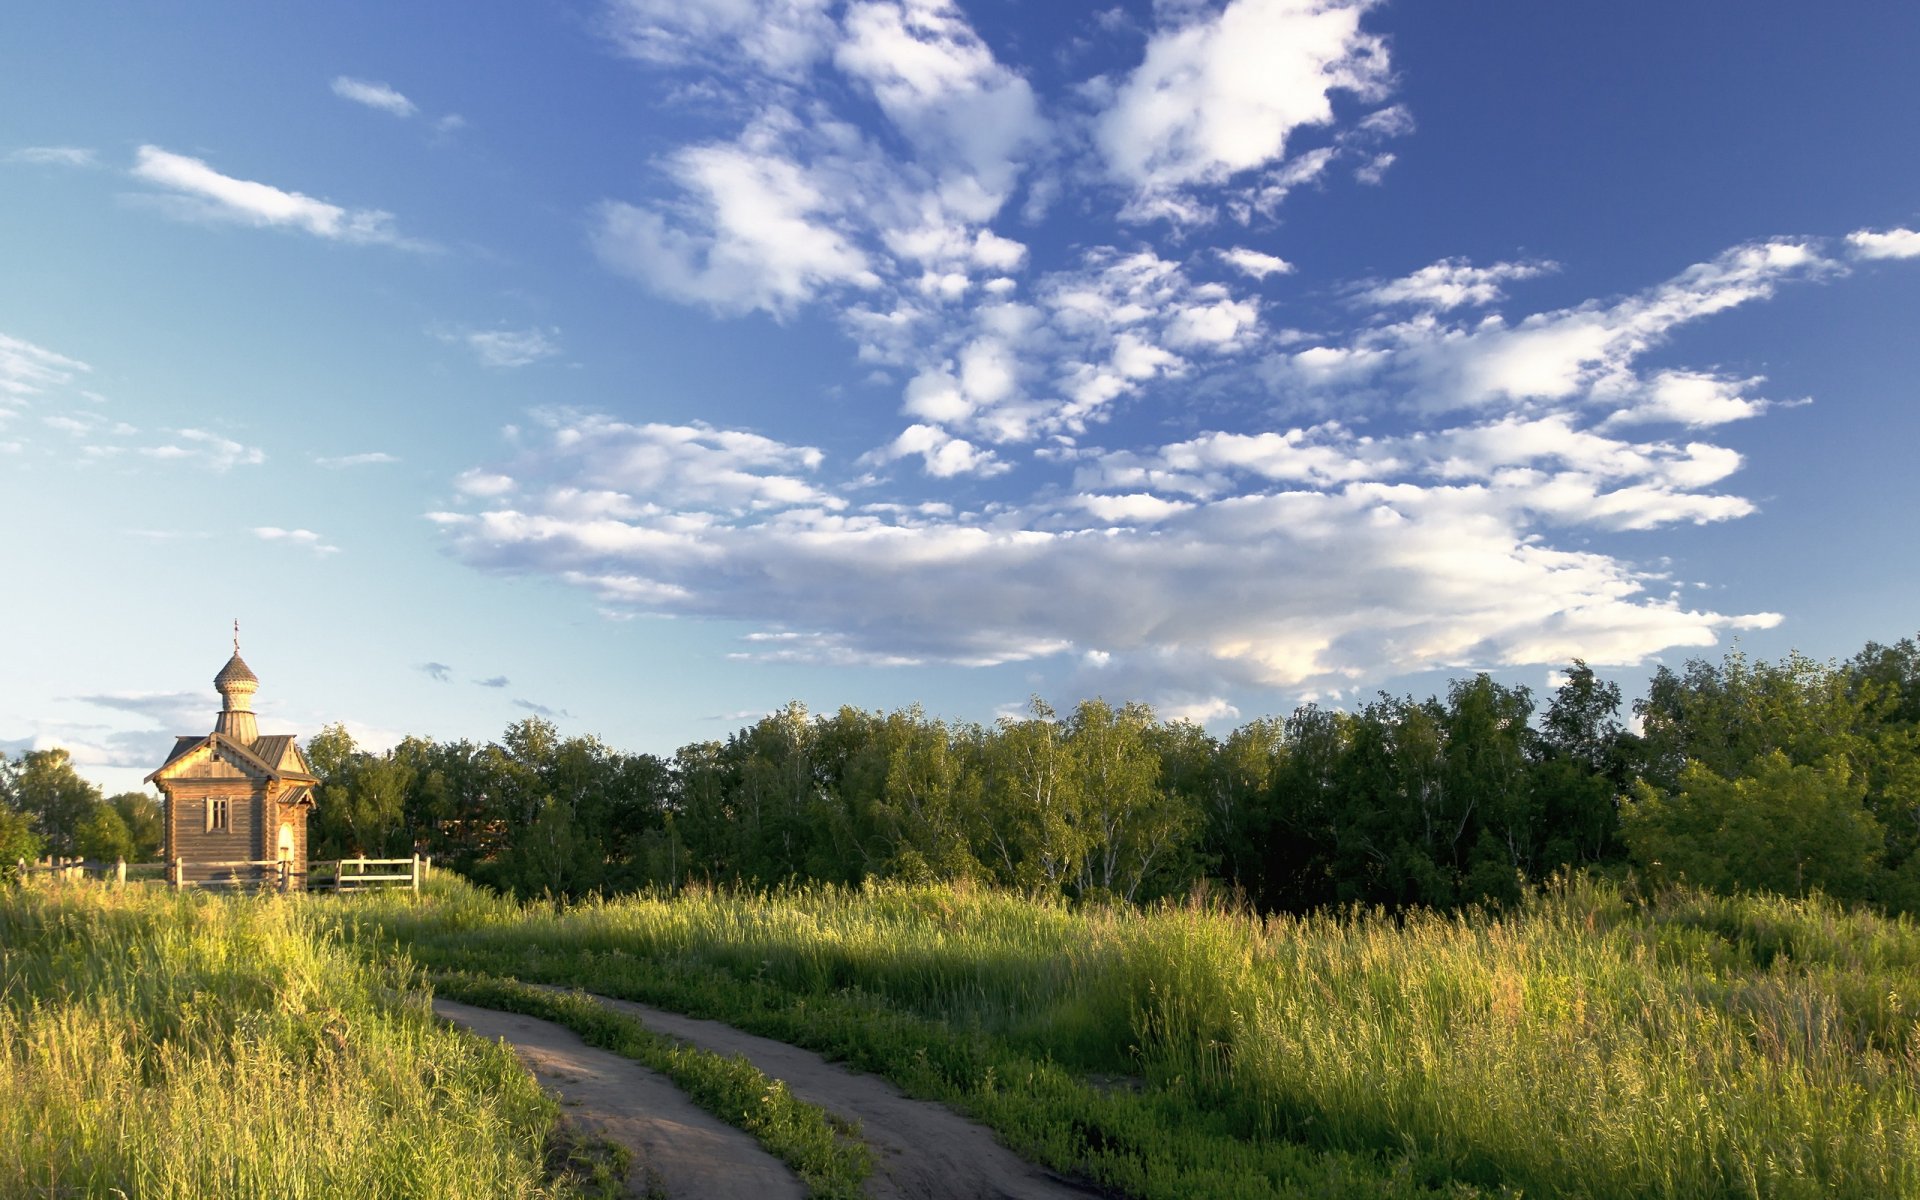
(1220, 95)
(370, 458)
(782, 37)
(373, 95)
(1691, 398)
(940, 86)
(942, 455)
(1452, 283)
(1302, 557)
(213, 450)
(615, 470)
(1136, 508)
(475, 482)
(28, 370)
(1287, 588)
(1374, 170)
(53, 156)
(205, 193)
(505, 349)
(1199, 712)
(1892, 243)
(1582, 353)
(1255, 263)
(760, 230)
(305, 538)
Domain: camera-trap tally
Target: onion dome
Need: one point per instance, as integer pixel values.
(236, 671)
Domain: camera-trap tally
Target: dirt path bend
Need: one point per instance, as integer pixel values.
(921, 1150)
(678, 1148)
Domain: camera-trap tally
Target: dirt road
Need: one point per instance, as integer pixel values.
(921, 1150)
(678, 1148)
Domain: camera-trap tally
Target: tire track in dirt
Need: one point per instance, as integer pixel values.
(922, 1150)
(678, 1148)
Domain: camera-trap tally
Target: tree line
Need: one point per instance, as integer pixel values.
(1792, 776)
(46, 807)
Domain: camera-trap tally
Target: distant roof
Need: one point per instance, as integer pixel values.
(272, 749)
(236, 671)
(183, 743)
(276, 756)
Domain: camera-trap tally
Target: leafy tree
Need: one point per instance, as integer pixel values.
(329, 751)
(145, 824)
(104, 837)
(1127, 821)
(701, 808)
(53, 794)
(17, 838)
(1788, 828)
(1030, 801)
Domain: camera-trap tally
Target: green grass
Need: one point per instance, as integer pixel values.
(830, 1160)
(1587, 1044)
(154, 1045)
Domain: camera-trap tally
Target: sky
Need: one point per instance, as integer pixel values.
(646, 364)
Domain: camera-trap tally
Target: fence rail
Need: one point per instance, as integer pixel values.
(346, 875)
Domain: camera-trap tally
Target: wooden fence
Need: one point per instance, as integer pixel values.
(341, 875)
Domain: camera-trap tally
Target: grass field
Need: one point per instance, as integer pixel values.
(162, 1046)
(1586, 1045)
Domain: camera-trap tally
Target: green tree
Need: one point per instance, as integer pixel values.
(1787, 828)
(145, 824)
(17, 838)
(48, 789)
(103, 837)
(1127, 821)
(1032, 835)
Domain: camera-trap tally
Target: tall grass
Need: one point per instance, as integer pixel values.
(193, 1046)
(1587, 1044)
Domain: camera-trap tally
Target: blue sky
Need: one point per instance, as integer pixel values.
(647, 364)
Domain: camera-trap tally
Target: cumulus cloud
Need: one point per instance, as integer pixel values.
(305, 538)
(1303, 556)
(1585, 352)
(759, 230)
(1220, 95)
(942, 455)
(1414, 485)
(782, 37)
(374, 95)
(196, 190)
(967, 114)
(1255, 263)
(1891, 243)
(1453, 283)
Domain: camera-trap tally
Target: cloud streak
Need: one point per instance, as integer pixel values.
(199, 191)
(373, 95)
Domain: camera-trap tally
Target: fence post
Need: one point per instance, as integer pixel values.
(120, 871)
(414, 883)
(176, 873)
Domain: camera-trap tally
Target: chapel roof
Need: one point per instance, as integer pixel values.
(236, 671)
